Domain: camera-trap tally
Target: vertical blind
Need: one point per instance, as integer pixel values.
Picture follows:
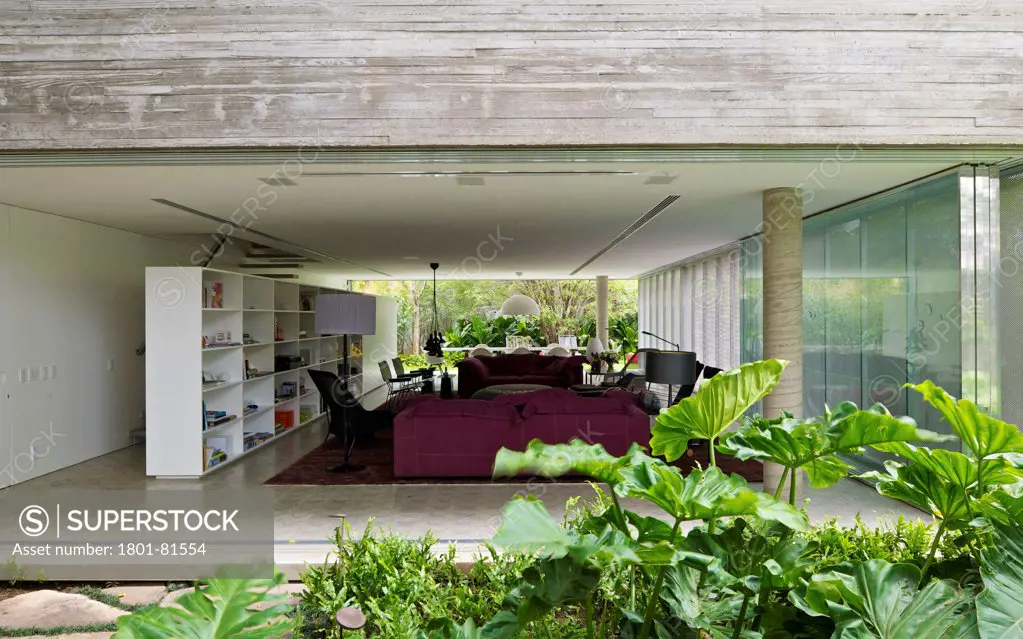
(696, 305)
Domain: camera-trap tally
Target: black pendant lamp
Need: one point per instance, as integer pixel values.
(435, 341)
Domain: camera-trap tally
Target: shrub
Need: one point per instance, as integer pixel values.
(401, 584)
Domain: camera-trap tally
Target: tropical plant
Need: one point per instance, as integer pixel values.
(813, 445)
(746, 567)
(401, 584)
(718, 404)
(882, 600)
(217, 609)
(954, 487)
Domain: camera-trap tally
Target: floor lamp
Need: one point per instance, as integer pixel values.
(344, 315)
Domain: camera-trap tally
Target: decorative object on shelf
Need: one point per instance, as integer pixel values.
(305, 303)
(434, 341)
(215, 296)
(278, 331)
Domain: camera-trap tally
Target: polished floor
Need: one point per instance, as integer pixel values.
(462, 514)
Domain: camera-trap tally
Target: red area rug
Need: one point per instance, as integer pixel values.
(378, 457)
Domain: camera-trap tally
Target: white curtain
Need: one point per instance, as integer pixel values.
(696, 305)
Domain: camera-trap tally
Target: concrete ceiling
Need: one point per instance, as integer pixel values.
(487, 221)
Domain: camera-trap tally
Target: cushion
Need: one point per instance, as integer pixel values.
(476, 364)
(574, 406)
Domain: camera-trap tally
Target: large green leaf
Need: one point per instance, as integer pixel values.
(878, 600)
(549, 584)
(555, 460)
(983, 434)
(1000, 605)
(715, 406)
(527, 527)
(696, 607)
(926, 489)
(705, 495)
(448, 629)
(218, 610)
(814, 445)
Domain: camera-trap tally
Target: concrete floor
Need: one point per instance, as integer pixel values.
(461, 514)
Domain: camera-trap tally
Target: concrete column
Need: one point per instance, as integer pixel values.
(783, 309)
(602, 332)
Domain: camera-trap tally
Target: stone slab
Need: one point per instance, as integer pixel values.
(50, 609)
(137, 595)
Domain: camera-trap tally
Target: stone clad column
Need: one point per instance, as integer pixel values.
(783, 307)
(602, 324)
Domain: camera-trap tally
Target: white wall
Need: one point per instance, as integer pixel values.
(72, 314)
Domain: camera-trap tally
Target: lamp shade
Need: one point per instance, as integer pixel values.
(346, 314)
(677, 368)
(594, 346)
(519, 304)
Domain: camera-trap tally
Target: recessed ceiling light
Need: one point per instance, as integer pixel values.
(660, 179)
(410, 257)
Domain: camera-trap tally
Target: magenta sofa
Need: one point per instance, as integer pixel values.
(475, 373)
(461, 437)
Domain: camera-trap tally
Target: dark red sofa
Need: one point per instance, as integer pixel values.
(475, 373)
(461, 437)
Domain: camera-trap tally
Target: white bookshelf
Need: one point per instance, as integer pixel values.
(257, 319)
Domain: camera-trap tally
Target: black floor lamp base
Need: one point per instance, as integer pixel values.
(346, 468)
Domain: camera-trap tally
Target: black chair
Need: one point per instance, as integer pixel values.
(397, 387)
(340, 403)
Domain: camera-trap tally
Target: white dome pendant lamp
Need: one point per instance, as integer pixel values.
(519, 304)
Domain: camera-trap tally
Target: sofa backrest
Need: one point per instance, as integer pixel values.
(454, 408)
(576, 405)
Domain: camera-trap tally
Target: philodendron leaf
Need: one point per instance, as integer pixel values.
(814, 447)
(715, 406)
(448, 629)
(1000, 605)
(219, 610)
(555, 460)
(879, 600)
(930, 491)
(983, 434)
(708, 494)
(527, 527)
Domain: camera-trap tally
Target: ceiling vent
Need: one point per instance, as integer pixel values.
(470, 181)
(459, 174)
(645, 219)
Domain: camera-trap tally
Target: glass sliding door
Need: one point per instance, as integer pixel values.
(881, 287)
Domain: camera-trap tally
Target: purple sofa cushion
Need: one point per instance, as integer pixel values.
(476, 364)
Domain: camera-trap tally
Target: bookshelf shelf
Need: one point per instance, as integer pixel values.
(176, 363)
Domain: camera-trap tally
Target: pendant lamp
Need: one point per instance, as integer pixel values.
(434, 341)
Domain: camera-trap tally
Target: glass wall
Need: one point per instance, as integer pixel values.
(881, 302)
(1010, 300)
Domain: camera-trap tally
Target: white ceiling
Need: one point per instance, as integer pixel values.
(549, 224)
